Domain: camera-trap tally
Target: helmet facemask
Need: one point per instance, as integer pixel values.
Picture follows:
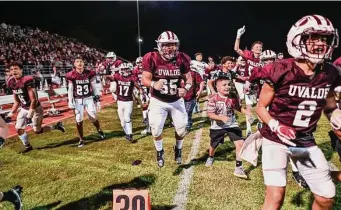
(168, 50)
(316, 46)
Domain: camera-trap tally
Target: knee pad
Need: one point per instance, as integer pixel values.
(156, 131)
(324, 189)
(181, 131)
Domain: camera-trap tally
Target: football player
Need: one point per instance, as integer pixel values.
(126, 82)
(14, 196)
(242, 77)
(252, 60)
(162, 72)
(26, 96)
(192, 96)
(220, 110)
(143, 97)
(111, 67)
(83, 94)
(297, 90)
(268, 57)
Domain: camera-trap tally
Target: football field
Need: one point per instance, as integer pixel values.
(59, 175)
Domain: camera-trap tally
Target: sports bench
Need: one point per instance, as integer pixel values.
(50, 96)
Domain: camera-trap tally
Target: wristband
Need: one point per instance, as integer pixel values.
(273, 124)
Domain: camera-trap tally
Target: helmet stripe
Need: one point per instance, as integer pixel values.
(168, 35)
(319, 22)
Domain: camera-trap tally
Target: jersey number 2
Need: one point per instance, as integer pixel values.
(303, 116)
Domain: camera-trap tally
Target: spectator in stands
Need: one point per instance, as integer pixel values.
(55, 78)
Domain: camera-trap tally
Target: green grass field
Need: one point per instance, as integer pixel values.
(58, 175)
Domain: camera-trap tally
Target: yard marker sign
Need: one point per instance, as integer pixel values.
(131, 200)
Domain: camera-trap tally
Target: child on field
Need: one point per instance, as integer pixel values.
(220, 110)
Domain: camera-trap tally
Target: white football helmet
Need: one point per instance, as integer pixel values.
(125, 69)
(165, 38)
(138, 60)
(301, 31)
(267, 54)
(111, 55)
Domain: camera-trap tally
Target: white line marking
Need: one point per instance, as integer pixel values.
(180, 198)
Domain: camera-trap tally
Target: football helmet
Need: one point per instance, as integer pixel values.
(306, 27)
(268, 54)
(138, 60)
(168, 37)
(111, 55)
(125, 69)
(241, 61)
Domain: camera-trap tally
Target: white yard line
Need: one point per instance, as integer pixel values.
(180, 198)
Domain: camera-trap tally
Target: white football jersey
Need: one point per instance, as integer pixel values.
(199, 66)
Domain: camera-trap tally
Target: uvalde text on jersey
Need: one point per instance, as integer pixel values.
(81, 82)
(169, 72)
(308, 92)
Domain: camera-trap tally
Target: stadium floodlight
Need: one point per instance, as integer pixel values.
(140, 39)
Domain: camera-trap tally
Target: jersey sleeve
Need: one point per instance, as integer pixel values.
(148, 62)
(69, 76)
(29, 82)
(273, 74)
(91, 74)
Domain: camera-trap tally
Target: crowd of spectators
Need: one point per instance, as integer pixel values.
(42, 52)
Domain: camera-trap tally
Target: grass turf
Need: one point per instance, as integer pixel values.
(58, 175)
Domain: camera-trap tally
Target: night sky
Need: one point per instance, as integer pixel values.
(208, 27)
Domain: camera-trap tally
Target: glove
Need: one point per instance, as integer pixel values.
(284, 133)
(98, 106)
(71, 105)
(335, 119)
(30, 114)
(240, 32)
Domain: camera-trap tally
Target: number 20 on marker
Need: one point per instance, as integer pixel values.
(131, 200)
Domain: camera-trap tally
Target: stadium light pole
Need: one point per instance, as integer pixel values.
(139, 40)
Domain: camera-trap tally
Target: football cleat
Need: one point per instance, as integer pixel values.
(299, 179)
(101, 134)
(177, 155)
(2, 142)
(81, 143)
(15, 197)
(28, 148)
(129, 137)
(60, 126)
(160, 158)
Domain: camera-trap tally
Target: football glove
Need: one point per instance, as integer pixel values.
(284, 133)
(240, 32)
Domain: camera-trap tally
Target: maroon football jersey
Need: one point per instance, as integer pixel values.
(191, 93)
(20, 88)
(172, 71)
(251, 61)
(81, 83)
(125, 86)
(242, 71)
(137, 72)
(299, 98)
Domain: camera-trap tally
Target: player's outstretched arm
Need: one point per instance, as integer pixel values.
(240, 32)
(265, 98)
(332, 112)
